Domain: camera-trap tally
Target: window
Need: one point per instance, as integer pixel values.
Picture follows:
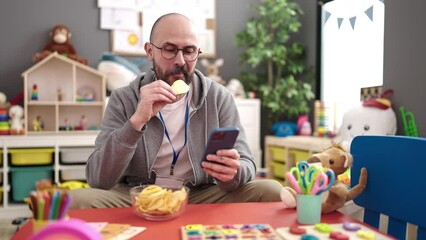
(351, 53)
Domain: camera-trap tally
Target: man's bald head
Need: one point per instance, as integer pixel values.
(165, 20)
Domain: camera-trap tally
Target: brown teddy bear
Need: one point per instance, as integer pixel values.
(338, 159)
(60, 42)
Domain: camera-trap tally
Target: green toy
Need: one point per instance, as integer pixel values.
(410, 126)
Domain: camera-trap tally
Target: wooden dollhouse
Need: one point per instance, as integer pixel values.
(63, 96)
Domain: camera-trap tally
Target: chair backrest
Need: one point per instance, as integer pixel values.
(396, 185)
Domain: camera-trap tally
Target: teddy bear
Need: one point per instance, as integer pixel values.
(337, 159)
(60, 42)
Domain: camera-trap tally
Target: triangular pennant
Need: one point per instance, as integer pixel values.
(327, 16)
(339, 21)
(352, 20)
(369, 12)
(383, 1)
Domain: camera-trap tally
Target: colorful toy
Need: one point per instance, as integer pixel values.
(230, 231)
(34, 92)
(329, 231)
(4, 117)
(38, 124)
(410, 126)
(337, 159)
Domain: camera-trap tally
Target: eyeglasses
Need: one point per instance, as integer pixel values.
(169, 51)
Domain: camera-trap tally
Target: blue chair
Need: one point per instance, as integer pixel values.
(396, 168)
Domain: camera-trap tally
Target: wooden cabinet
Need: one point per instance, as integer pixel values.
(57, 145)
(283, 153)
(65, 96)
(249, 110)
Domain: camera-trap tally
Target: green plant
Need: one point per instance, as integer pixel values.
(279, 76)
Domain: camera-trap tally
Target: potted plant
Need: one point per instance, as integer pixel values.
(278, 74)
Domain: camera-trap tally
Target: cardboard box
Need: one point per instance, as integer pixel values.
(23, 180)
(31, 156)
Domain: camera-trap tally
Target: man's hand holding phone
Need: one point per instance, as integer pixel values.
(220, 159)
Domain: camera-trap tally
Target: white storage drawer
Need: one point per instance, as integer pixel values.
(75, 154)
(73, 174)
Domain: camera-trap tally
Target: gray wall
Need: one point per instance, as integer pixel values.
(404, 64)
(25, 27)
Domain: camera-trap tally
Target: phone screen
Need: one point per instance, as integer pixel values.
(221, 138)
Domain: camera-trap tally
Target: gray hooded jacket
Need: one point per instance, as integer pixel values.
(125, 156)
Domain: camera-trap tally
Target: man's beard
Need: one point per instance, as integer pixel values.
(165, 75)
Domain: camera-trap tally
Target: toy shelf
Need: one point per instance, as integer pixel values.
(66, 95)
(25, 159)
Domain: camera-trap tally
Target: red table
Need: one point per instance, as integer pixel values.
(271, 213)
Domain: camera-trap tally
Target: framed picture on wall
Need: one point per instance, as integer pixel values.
(202, 13)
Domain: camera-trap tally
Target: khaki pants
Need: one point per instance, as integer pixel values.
(266, 190)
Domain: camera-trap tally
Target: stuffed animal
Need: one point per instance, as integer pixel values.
(16, 114)
(338, 159)
(236, 88)
(212, 69)
(374, 117)
(60, 42)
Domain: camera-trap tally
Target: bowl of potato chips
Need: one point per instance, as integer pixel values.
(157, 203)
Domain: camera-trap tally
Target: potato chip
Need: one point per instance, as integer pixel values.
(155, 200)
(180, 87)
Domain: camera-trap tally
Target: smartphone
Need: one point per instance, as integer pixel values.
(221, 138)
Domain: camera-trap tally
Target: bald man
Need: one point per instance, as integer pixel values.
(151, 135)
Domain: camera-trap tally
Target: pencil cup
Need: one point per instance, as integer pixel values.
(309, 208)
(40, 224)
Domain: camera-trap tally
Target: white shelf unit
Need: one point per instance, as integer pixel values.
(65, 91)
(10, 209)
(249, 110)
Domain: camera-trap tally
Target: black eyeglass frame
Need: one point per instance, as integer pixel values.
(176, 51)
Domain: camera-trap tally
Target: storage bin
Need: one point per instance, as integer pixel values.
(295, 156)
(31, 156)
(73, 174)
(25, 178)
(1, 178)
(277, 169)
(75, 155)
(278, 153)
(1, 195)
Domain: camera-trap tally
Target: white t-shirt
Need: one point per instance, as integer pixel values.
(174, 120)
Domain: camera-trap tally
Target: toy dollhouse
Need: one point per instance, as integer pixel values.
(61, 91)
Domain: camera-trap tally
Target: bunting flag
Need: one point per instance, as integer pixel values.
(339, 21)
(327, 16)
(352, 20)
(369, 13)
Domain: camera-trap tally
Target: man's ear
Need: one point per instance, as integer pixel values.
(148, 50)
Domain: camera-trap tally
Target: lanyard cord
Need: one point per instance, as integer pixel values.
(176, 154)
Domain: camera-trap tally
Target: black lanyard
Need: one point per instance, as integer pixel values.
(176, 155)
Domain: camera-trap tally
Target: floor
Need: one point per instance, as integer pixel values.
(7, 229)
